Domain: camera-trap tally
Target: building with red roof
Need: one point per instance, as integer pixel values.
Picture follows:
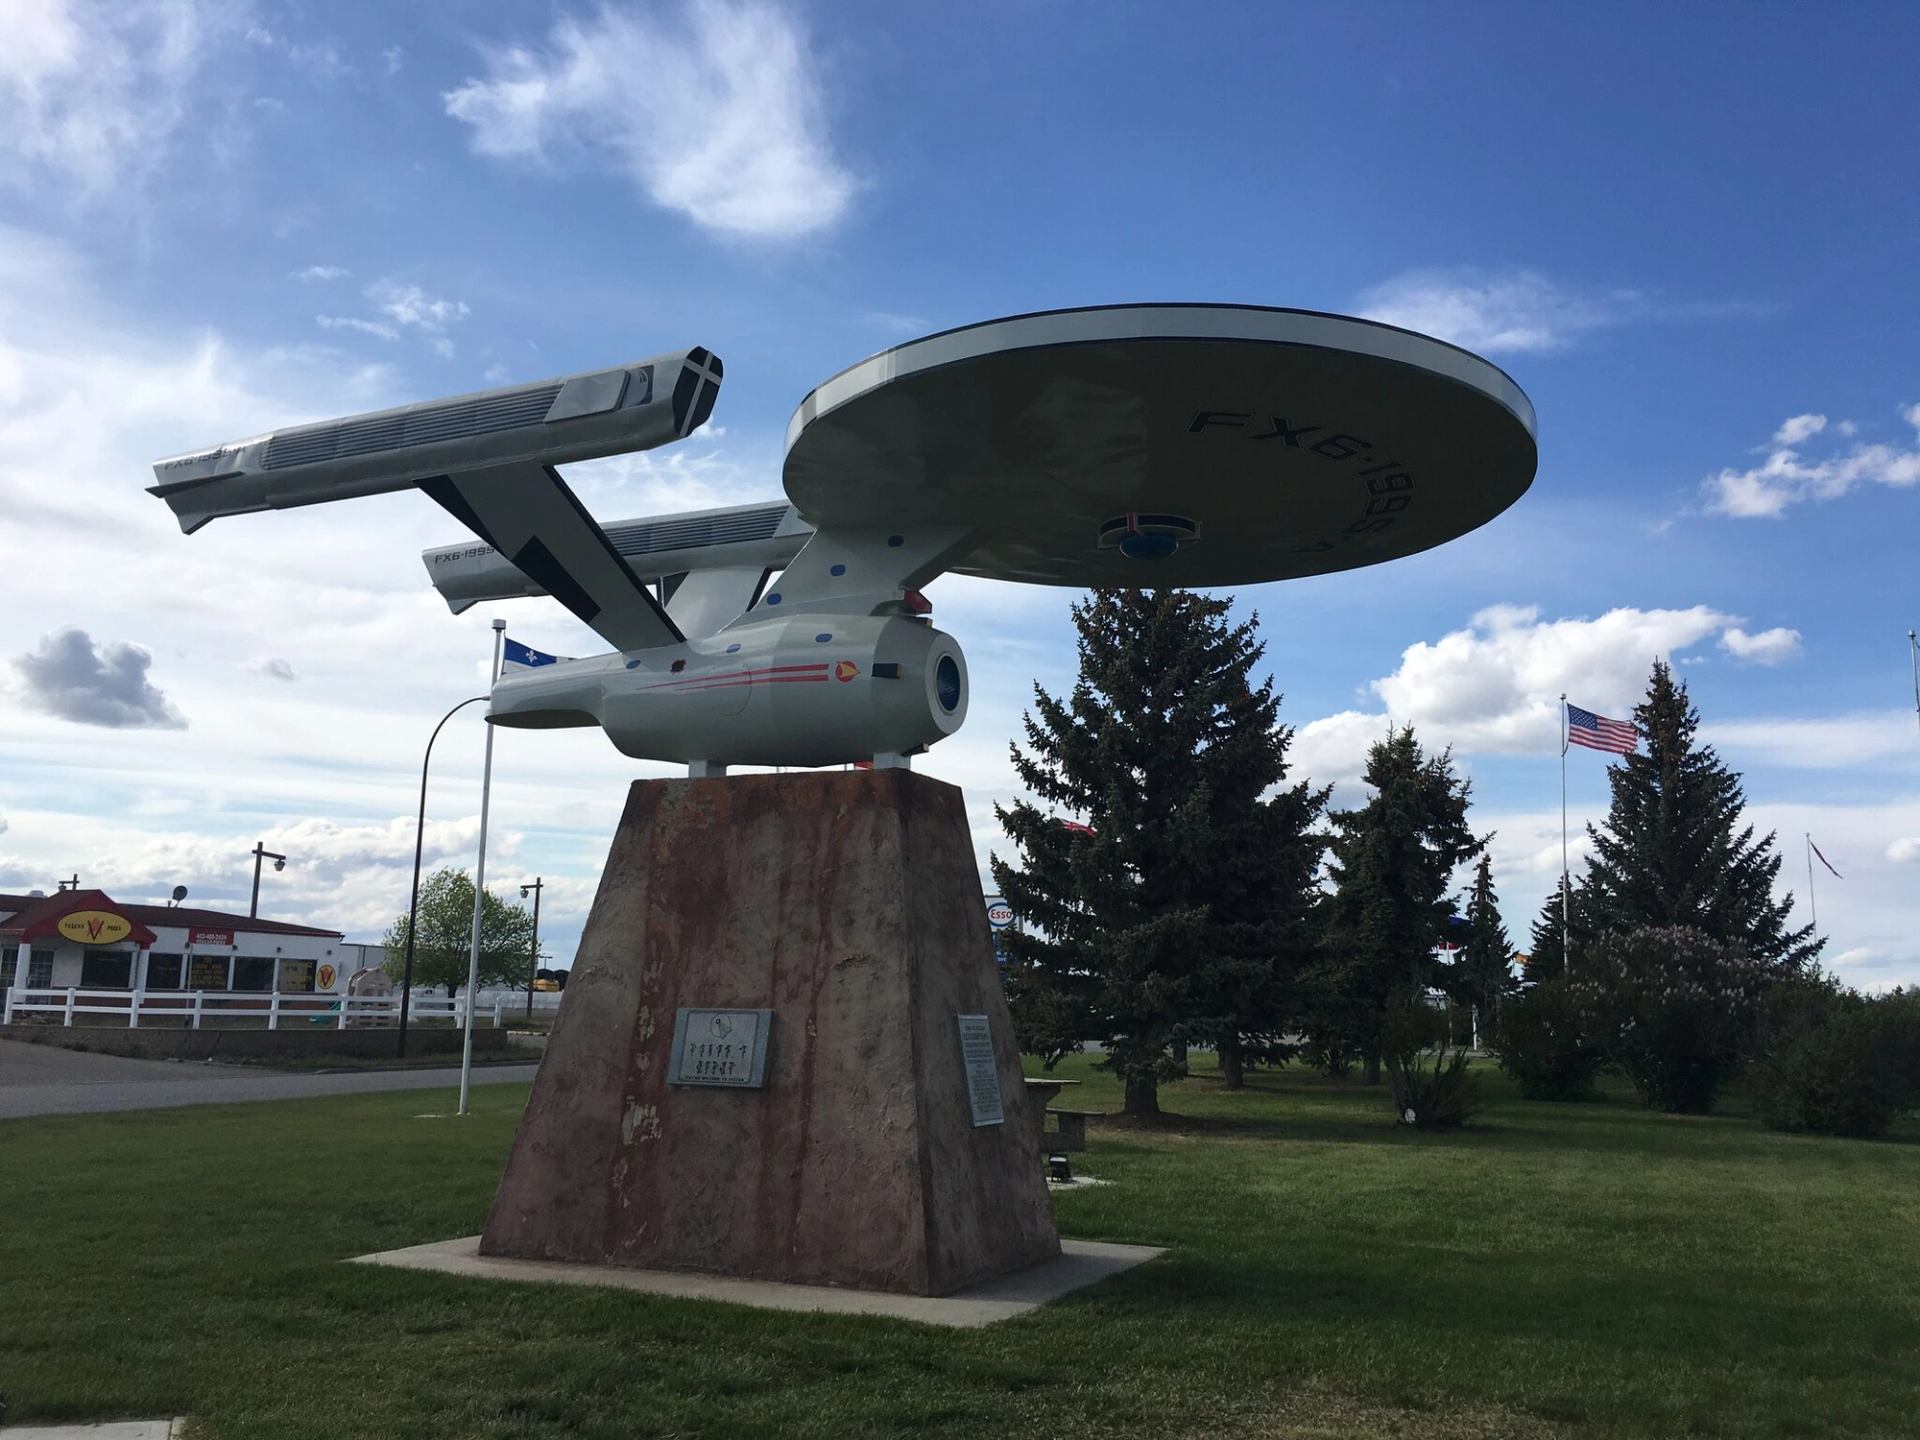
(86, 940)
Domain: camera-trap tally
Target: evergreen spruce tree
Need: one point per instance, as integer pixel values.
(1393, 864)
(1546, 952)
(1177, 908)
(1673, 851)
(1483, 973)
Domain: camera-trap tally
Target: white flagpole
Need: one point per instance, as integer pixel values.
(1813, 910)
(479, 882)
(1566, 882)
(1913, 644)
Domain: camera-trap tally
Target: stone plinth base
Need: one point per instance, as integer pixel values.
(849, 905)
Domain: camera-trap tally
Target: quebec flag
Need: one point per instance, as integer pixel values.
(517, 654)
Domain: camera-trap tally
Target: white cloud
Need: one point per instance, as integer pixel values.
(1333, 749)
(393, 57)
(403, 307)
(1493, 687)
(1817, 742)
(275, 669)
(320, 59)
(353, 877)
(321, 272)
(698, 474)
(1788, 477)
(719, 117)
(1515, 312)
(1904, 851)
(413, 307)
(94, 92)
(349, 322)
(1519, 311)
(1768, 647)
(1798, 428)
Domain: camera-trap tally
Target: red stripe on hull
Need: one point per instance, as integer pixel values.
(770, 671)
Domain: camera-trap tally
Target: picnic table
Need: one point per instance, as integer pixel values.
(1071, 1133)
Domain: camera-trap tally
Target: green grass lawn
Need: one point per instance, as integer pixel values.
(1590, 1270)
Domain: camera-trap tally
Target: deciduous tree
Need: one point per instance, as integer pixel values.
(441, 950)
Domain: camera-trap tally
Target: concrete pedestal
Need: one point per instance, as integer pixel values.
(849, 904)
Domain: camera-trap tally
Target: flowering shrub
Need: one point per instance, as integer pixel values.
(1674, 1008)
(1540, 1045)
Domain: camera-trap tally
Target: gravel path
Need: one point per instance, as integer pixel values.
(46, 1080)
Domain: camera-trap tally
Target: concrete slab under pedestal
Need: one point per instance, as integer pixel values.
(1079, 1264)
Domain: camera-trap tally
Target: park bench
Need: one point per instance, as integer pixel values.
(1071, 1131)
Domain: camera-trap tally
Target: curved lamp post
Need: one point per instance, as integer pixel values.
(419, 841)
(260, 852)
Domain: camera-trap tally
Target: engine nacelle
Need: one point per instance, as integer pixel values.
(811, 690)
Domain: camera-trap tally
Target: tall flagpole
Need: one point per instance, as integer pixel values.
(479, 882)
(1813, 910)
(1913, 644)
(1566, 882)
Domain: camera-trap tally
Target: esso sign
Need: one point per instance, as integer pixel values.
(999, 913)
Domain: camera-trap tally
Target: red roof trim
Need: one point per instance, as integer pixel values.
(42, 915)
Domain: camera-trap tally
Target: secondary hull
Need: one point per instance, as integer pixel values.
(812, 690)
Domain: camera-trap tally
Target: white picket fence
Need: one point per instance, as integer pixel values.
(275, 1008)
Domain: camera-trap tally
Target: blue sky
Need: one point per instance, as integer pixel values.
(1689, 239)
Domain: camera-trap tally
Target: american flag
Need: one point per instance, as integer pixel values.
(1597, 732)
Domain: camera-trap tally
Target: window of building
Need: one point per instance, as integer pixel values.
(40, 970)
(106, 970)
(208, 972)
(253, 972)
(164, 971)
(296, 977)
(9, 965)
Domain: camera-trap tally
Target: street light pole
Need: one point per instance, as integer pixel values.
(480, 880)
(419, 840)
(260, 852)
(533, 962)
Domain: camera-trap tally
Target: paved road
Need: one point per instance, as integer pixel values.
(46, 1080)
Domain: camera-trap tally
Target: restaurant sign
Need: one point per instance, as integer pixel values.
(95, 927)
(199, 935)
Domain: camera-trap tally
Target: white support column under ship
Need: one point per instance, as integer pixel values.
(1169, 445)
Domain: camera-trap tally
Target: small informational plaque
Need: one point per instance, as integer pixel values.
(983, 1076)
(720, 1047)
